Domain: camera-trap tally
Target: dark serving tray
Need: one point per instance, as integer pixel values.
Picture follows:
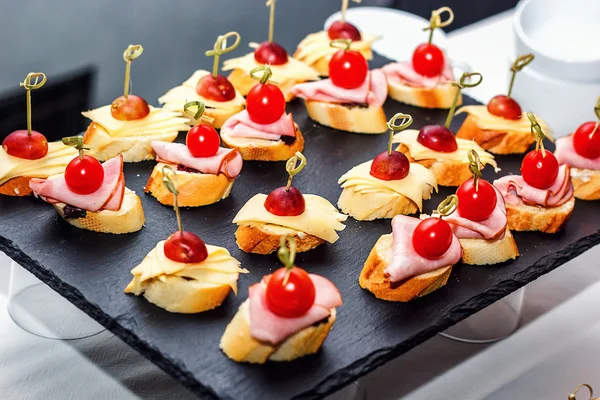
(91, 270)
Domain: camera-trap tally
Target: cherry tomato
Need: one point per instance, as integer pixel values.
(216, 89)
(284, 202)
(185, 247)
(476, 204)
(539, 171)
(203, 141)
(428, 60)
(128, 109)
(23, 145)
(390, 167)
(84, 175)
(265, 103)
(292, 299)
(437, 138)
(348, 69)
(271, 54)
(343, 30)
(432, 238)
(505, 107)
(586, 144)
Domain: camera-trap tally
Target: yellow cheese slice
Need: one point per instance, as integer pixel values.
(417, 185)
(320, 218)
(316, 46)
(293, 69)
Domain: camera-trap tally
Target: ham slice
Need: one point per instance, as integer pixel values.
(373, 91)
(240, 125)
(516, 191)
(268, 327)
(178, 153)
(403, 72)
(491, 228)
(108, 197)
(406, 262)
(565, 154)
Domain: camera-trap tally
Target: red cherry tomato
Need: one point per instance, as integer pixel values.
(265, 103)
(428, 60)
(185, 247)
(128, 109)
(84, 175)
(285, 203)
(271, 54)
(216, 89)
(343, 30)
(539, 171)
(505, 107)
(390, 167)
(21, 144)
(203, 141)
(348, 69)
(292, 299)
(432, 238)
(476, 204)
(586, 144)
(437, 138)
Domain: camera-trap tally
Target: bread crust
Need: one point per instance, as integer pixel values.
(370, 208)
(488, 252)
(438, 97)
(535, 218)
(220, 115)
(447, 172)
(357, 119)
(239, 346)
(259, 151)
(373, 279)
(495, 142)
(586, 183)
(260, 239)
(243, 83)
(17, 187)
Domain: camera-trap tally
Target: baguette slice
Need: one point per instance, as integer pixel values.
(18, 187)
(264, 150)
(441, 96)
(374, 280)
(495, 142)
(370, 206)
(130, 218)
(238, 345)
(488, 252)
(586, 183)
(353, 118)
(447, 172)
(219, 115)
(195, 189)
(266, 238)
(243, 83)
(536, 218)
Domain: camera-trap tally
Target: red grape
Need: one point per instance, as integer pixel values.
(348, 69)
(437, 138)
(432, 238)
(265, 103)
(539, 171)
(21, 144)
(292, 299)
(343, 30)
(128, 109)
(476, 204)
(428, 60)
(270, 54)
(203, 141)
(505, 107)
(185, 247)
(216, 89)
(390, 167)
(284, 202)
(586, 144)
(84, 175)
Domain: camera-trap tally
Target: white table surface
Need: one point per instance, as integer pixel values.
(102, 367)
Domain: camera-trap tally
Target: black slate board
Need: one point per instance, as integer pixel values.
(91, 270)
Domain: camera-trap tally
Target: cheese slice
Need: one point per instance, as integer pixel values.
(158, 122)
(420, 152)
(417, 185)
(52, 163)
(320, 218)
(490, 122)
(293, 69)
(316, 46)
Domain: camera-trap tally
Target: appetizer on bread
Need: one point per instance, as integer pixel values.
(424, 81)
(352, 98)
(314, 49)
(205, 171)
(264, 131)
(581, 152)
(26, 154)
(214, 90)
(183, 274)
(129, 124)
(413, 261)
(541, 198)
(92, 196)
(501, 127)
(287, 315)
(387, 185)
(310, 219)
(287, 71)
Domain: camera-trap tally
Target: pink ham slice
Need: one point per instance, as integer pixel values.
(406, 263)
(373, 91)
(268, 327)
(491, 228)
(56, 190)
(404, 72)
(565, 154)
(178, 153)
(240, 125)
(516, 191)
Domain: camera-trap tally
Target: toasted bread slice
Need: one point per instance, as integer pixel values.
(129, 218)
(447, 172)
(349, 118)
(374, 280)
(441, 96)
(495, 142)
(243, 83)
(219, 115)
(370, 206)
(238, 345)
(536, 218)
(262, 149)
(586, 183)
(488, 252)
(195, 189)
(18, 187)
(266, 238)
